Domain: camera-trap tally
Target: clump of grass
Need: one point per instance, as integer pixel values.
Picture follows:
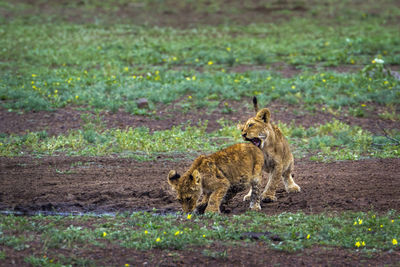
(331, 141)
(144, 230)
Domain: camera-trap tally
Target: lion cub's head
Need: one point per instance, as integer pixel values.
(255, 129)
(188, 188)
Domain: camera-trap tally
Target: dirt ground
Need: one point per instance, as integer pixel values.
(76, 184)
(111, 184)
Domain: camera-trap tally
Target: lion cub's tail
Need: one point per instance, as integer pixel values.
(255, 104)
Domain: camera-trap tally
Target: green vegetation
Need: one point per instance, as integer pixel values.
(331, 141)
(144, 231)
(52, 62)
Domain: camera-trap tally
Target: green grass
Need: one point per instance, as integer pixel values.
(109, 67)
(331, 141)
(143, 231)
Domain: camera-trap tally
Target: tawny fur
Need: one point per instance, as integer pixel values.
(279, 162)
(218, 177)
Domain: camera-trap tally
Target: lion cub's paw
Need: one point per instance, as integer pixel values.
(294, 188)
(269, 198)
(255, 207)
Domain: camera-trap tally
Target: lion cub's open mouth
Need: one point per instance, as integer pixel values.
(255, 141)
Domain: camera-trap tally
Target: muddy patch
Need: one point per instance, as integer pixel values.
(77, 184)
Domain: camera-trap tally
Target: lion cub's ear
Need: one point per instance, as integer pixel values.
(173, 178)
(196, 177)
(264, 115)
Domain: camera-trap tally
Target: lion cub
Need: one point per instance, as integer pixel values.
(218, 177)
(279, 162)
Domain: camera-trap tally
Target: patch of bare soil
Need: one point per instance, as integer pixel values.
(116, 185)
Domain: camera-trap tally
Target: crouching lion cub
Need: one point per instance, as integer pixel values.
(218, 177)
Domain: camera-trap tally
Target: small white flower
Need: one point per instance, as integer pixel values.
(379, 61)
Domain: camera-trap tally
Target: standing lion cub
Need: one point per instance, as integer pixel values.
(218, 177)
(279, 161)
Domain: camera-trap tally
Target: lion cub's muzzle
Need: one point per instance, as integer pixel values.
(256, 141)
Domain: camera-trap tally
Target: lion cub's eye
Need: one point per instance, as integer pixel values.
(251, 124)
(188, 199)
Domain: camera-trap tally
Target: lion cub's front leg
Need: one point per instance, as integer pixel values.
(215, 199)
(201, 207)
(255, 196)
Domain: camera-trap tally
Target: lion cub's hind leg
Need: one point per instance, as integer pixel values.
(290, 185)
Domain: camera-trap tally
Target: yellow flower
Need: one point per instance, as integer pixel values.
(34, 75)
(363, 105)
(394, 241)
(177, 233)
(228, 49)
(158, 240)
(190, 97)
(77, 97)
(385, 82)
(352, 61)
(189, 216)
(357, 244)
(157, 72)
(127, 265)
(360, 221)
(355, 223)
(32, 82)
(293, 87)
(146, 232)
(55, 91)
(381, 225)
(126, 69)
(1, 143)
(222, 70)
(236, 80)
(392, 221)
(104, 234)
(323, 80)
(269, 78)
(373, 61)
(188, 78)
(197, 60)
(369, 229)
(194, 78)
(308, 236)
(363, 244)
(204, 235)
(133, 77)
(210, 63)
(174, 58)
